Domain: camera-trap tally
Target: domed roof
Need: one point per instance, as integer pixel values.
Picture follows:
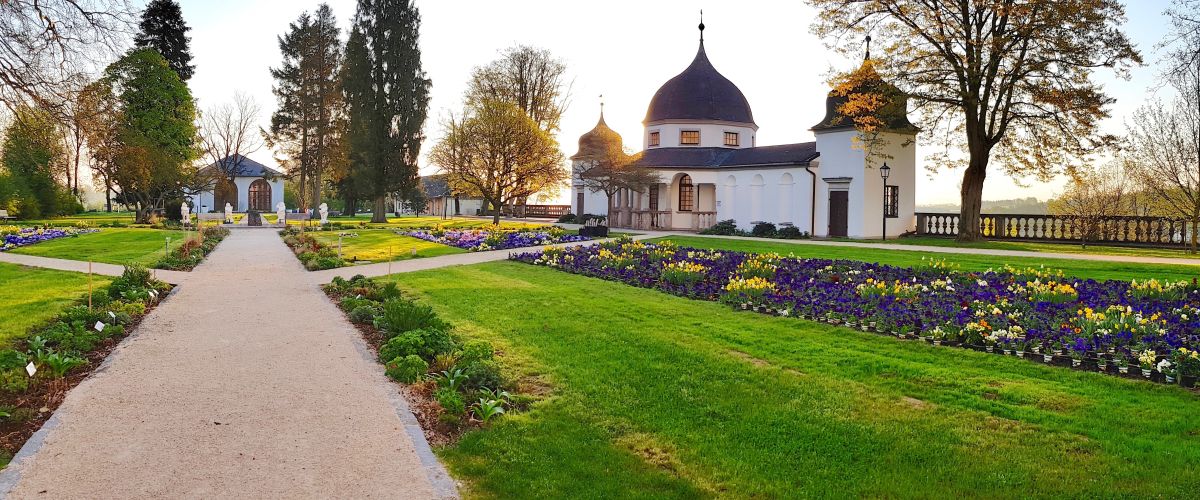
(866, 80)
(699, 93)
(598, 139)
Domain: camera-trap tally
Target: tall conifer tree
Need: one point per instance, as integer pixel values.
(304, 127)
(162, 29)
(388, 99)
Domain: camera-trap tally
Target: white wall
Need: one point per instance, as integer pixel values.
(775, 195)
(840, 157)
(207, 202)
(712, 134)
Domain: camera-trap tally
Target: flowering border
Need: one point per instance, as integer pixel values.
(1129, 328)
(14, 237)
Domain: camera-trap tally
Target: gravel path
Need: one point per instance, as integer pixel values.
(247, 382)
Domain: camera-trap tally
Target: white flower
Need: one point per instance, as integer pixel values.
(1163, 366)
(981, 283)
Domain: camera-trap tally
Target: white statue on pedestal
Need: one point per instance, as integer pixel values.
(185, 213)
(324, 210)
(228, 213)
(281, 213)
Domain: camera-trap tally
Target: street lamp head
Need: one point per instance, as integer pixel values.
(885, 171)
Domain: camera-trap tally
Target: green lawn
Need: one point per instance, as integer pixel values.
(1079, 268)
(381, 245)
(109, 245)
(31, 295)
(92, 218)
(1030, 246)
(420, 221)
(651, 395)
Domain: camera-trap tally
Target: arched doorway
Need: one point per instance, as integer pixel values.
(225, 192)
(260, 196)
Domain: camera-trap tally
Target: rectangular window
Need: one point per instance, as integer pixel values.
(654, 197)
(891, 202)
(731, 138)
(653, 138)
(689, 137)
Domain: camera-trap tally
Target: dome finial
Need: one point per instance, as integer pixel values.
(868, 54)
(701, 26)
(601, 107)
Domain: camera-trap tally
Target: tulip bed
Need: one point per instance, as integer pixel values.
(1147, 328)
(12, 236)
(495, 238)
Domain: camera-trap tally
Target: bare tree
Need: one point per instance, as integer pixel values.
(228, 132)
(606, 167)
(1093, 196)
(49, 47)
(499, 153)
(1164, 142)
(528, 77)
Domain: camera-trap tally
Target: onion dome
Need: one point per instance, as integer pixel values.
(866, 80)
(699, 93)
(598, 139)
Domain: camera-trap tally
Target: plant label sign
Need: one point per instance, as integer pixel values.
(99, 326)
(112, 315)
(31, 368)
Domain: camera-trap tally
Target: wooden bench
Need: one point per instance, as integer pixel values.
(298, 216)
(204, 217)
(4, 215)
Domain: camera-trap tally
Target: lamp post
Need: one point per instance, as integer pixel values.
(884, 172)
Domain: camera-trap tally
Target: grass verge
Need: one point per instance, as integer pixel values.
(30, 296)
(1098, 270)
(649, 395)
(110, 245)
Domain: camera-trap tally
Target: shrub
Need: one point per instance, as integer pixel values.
(135, 280)
(476, 350)
(791, 233)
(481, 374)
(14, 380)
(567, 218)
(407, 369)
(400, 315)
(363, 314)
(583, 219)
(426, 343)
(451, 401)
(727, 227)
(763, 230)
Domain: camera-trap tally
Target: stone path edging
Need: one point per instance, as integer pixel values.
(79, 266)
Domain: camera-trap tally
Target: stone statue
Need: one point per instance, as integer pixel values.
(324, 210)
(281, 213)
(228, 213)
(185, 213)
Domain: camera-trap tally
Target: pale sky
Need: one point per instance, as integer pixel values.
(619, 48)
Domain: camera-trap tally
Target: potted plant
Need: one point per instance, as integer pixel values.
(1122, 364)
(1187, 364)
(1146, 359)
(1101, 364)
(1076, 358)
(1167, 368)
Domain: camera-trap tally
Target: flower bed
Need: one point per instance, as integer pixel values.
(452, 385)
(37, 372)
(12, 236)
(495, 238)
(1147, 329)
(194, 250)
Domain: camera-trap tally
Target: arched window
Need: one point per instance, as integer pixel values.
(260, 196)
(687, 193)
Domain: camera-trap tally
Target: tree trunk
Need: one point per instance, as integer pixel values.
(972, 197)
(379, 213)
(495, 211)
(108, 199)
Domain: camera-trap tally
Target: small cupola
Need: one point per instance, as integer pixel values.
(866, 80)
(598, 139)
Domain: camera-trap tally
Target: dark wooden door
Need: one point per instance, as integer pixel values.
(839, 204)
(579, 203)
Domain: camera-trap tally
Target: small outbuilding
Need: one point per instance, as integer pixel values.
(243, 183)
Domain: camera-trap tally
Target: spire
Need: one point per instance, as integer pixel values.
(868, 54)
(601, 110)
(701, 26)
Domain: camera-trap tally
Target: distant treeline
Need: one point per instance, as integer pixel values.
(1028, 205)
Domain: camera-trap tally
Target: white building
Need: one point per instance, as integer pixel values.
(254, 187)
(699, 137)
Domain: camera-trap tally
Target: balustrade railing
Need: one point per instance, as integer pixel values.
(1123, 230)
